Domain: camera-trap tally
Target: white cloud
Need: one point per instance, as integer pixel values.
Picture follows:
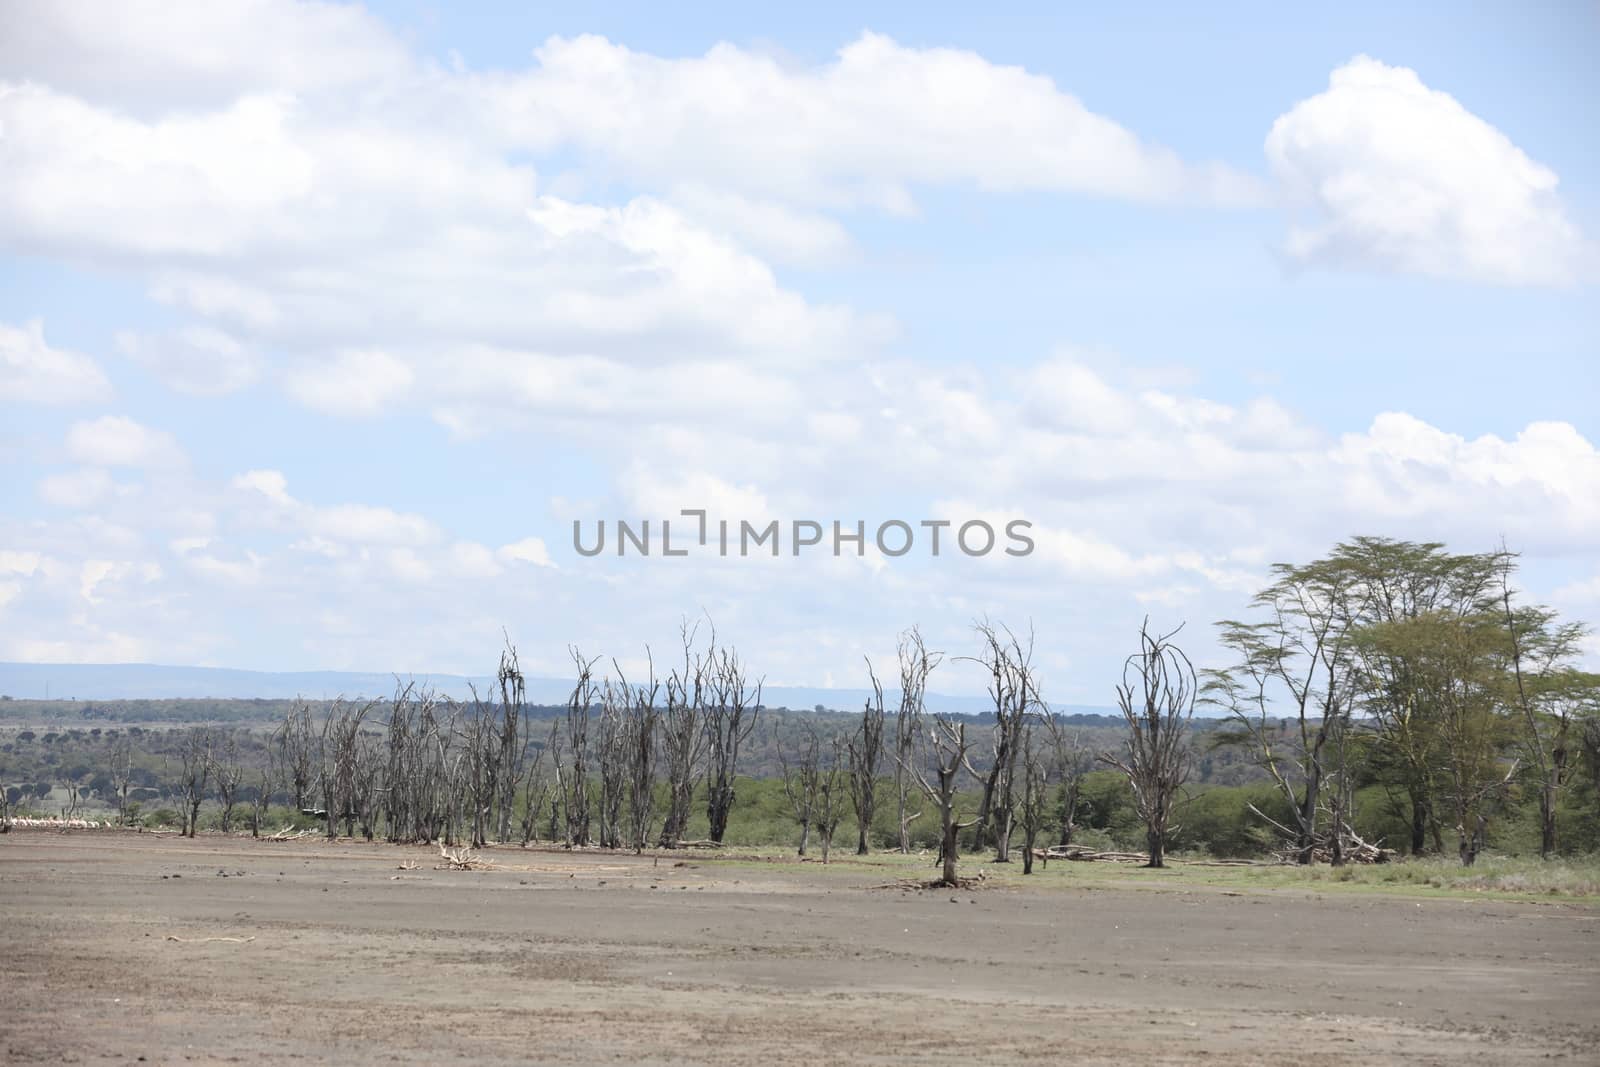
(32, 372)
(866, 128)
(362, 383)
(772, 230)
(338, 523)
(1400, 177)
(79, 489)
(528, 550)
(118, 441)
(198, 360)
(152, 53)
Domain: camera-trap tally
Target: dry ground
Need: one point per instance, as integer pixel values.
(596, 957)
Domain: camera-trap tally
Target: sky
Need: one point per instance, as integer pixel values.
(321, 324)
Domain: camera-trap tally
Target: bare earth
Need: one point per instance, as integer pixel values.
(598, 957)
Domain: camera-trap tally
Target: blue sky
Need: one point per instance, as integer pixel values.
(319, 324)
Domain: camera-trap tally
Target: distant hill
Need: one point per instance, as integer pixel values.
(148, 681)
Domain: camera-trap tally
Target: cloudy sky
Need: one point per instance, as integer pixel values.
(320, 324)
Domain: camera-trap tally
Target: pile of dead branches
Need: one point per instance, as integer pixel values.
(462, 859)
(1083, 852)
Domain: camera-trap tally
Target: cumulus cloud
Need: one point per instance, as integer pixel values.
(151, 54)
(32, 372)
(1394, 176)
(354, 382)
(119, 441)
(77, 489)
(363, 524)
(866, 128)
(197, 360)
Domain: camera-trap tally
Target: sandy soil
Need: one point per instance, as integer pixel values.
(597, 958)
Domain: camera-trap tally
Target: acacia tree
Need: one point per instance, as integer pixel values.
(1396, 581)
(866, 752)
(1550, 694)
(1300, 657)
(1456, 668)
(916, 664)
(1156, 697)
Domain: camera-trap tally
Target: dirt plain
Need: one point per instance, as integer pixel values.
(596, 957)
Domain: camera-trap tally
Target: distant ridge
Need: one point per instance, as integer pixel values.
(148, 681)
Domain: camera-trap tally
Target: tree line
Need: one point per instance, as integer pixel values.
(1390, 672)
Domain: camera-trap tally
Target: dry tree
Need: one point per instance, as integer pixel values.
(194, 774)
(947, 754)
(1156, 697)
(683, 736)
(732, 707)
(1034, 795)
(916, 664)
(121, 770)
(833, 783)
(228, 770)
(1014, 691)
(799, 776)
(640, 750)
(866, 752)
(575, 799)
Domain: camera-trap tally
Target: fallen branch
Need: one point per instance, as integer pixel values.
(198, 940)
(1083, 852)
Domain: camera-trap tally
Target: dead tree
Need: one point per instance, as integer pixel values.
(481, 754)
(340, 739)
(866, 752)
(640, 749)
(683, 736)
(1014, 690)
(121, 775)
(916, 664)
(1156, 697)
(947, 753)
(536, 791)
(731, 711)
(297, 743)
(266, 782)
(228, 771)
(194, 774)
(513, 737)
(1069, 762)
(800, 774)
(616, 708)
(833, 782)
(576, 797)
(1033, 795)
